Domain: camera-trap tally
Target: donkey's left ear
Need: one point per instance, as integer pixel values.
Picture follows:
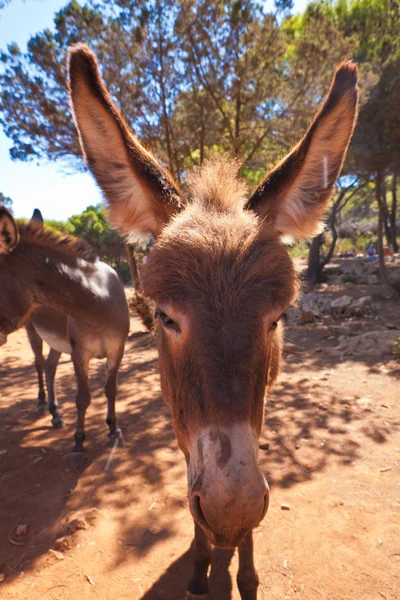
(9, 236)
(294, 196)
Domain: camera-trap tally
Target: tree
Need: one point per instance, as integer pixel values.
(192, 78)
(377, 144)
(6, 201)
(92, 226)
(372, 28)
(316, 263)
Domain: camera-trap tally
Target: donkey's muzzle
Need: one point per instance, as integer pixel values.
(228, 494)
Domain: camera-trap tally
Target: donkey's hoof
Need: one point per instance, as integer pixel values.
(41, 410)
(116, 436)
(57, 422)
(77, 459)
(190, 596)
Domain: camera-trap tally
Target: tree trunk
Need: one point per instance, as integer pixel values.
(386, 224)
(161, 80)
(393, 213)
(313, 270)
(331, 250)
(132, 265)
(381, 216)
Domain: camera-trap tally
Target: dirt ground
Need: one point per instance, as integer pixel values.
(333, 427)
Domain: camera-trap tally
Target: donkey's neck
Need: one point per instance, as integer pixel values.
(71, 284)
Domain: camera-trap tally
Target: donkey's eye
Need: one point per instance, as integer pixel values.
(165, 319)
(274, 325)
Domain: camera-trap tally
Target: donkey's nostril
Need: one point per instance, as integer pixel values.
(198, 512)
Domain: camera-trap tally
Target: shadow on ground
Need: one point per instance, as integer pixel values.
(307, 428)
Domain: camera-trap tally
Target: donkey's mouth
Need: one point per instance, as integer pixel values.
(226, 542)
(224, 539)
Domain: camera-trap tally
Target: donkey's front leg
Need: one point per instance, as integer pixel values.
(198, 585)
(36, 343)
(81, 367)
(110, 390)
(247, 578)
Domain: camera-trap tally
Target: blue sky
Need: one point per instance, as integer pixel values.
(31, 185)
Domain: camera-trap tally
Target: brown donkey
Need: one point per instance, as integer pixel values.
(221, 278)
(85, 314)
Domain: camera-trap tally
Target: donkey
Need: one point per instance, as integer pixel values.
(54, 327)
(86, 312)
(220, 277)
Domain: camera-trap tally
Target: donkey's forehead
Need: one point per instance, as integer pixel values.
(219, 260)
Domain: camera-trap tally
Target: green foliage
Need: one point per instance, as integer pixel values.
(92, 226)
(192, 78)
(59, 226)
(299, 250)
(195, 79)
(6, 201)
(396, 347)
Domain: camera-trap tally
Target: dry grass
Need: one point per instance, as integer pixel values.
(144, 308)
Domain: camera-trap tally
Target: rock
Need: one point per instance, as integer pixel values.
(307, 316)
(364, 302)
(309, 312)
(346, 269)
(285, 506)
(62, 544)
(338, 330)
(342, 302)
(373, 344)
(339, 306)
(74, 525)
(372, 280)
(335, 279)
(289, 348)
(293, 315)
(21, 530)
(264, 446)
(56, 554)
(361, 306)
(155, 529)
(310, 298)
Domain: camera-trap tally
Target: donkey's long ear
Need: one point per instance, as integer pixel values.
(294, 196)
(36, 221)
(141, 194)
(9, 235)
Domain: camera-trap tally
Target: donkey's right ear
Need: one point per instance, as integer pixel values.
(36, 221)
(141, 195)
(9, 235)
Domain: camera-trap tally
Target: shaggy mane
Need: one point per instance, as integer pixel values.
(216, 184)
(66, 244)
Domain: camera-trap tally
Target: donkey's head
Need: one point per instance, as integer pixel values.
(220, 277)
(14, 303)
